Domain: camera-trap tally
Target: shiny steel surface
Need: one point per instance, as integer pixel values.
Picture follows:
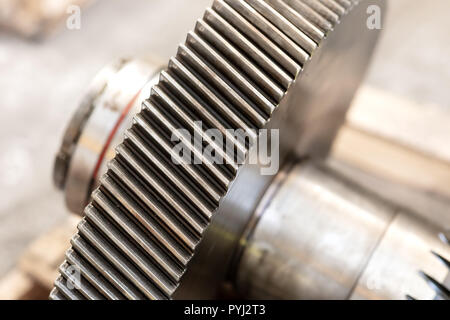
(307, 117)
(77, 123)
(247, 65)
(114, 96)
(394, 269)
(323, 237)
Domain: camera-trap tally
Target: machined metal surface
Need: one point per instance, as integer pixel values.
(247, 65)
(322, 237)
(211, 263)
(97, 127)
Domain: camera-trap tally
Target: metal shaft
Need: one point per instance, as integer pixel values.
(320, 236)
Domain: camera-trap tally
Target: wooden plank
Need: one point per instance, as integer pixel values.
(43, 257)
(424, 128)
(389, 160)
(17, 285)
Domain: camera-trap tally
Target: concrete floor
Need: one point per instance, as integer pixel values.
(41, 84)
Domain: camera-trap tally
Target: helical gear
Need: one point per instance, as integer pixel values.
(147, 217)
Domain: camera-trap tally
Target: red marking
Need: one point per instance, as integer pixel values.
(112, 134)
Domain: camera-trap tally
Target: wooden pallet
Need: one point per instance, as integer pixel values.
(33, 276)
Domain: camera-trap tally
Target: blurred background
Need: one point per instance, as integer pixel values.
(45, 69)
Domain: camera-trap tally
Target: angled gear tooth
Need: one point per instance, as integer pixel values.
(210, 118)
(283, 23)
(56, 295)
(148, 223)
(174, 205)
(126, 248)
(270, 30)
(334, 6)
(445, 237)
(445, 261)
(211, 168)
(253, 72)
(347, 4)
(118, 260)
(258, 38)
(241, 104)
(259, 104)
(310, 14)
(85, 288)
(153, 250)
(189, 123)
(298, 20)
(323, 10)
(440, 289)
(224, 109)
(196, 198)
(271, 68)
(170, 222)
(140, 125)
(93, 276)
(70, 294)
(104, 267)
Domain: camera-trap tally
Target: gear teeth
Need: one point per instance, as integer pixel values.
(323, 10)
(144, 242)
(196, 199)
(445, 237)
(299, 21)
(141, 124)
(102, 266)
(248, 30)
(56, 295)
(85, 288)
(445, 261)
(125, 266)
(202, 112)
(177, 177)
(442, 291)
(334, 6)
(149, 214)
(93, 277)
(147, 222)
(163, 213)
(128, 250)
(215, 173)
(282, 23)
(310, 15)
(260, 108)
(254, 73)
(248, 49)
(189, 123)
(196, 112)
(271, 31)
(64, 289)
(249, 114)
(223, 108)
